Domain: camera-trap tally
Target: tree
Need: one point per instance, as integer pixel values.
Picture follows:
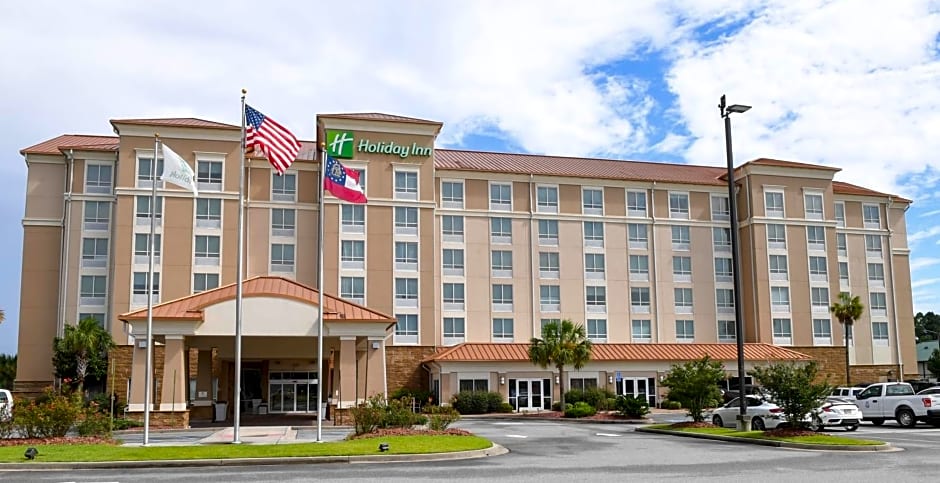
(3, 316)
(926, 326)
(7, 371)
(933, 364)
(82, 352)
(561, 345)
(792, 387)
(695, 385)
(848, 309)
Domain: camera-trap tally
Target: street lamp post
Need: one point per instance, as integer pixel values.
(726, 112)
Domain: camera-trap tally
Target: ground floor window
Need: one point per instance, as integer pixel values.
(583, 383)
(475, 385)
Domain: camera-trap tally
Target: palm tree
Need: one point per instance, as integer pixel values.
(848, 309)
(3, 316)
(561, 345)
(85, 340)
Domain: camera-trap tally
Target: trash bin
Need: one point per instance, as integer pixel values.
(220, 409)
(263, 408)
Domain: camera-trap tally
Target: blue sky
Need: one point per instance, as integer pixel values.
(847, 84)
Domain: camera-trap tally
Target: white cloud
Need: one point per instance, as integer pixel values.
(929, 213)
(923, 234)
(923, 262)
(924, 282)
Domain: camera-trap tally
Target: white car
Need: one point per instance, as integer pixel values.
(6, 404)
(835, 412)
(764, 414)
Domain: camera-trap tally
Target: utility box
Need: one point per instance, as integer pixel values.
(220, 409)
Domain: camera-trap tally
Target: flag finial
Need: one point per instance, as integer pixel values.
(244, 91)
(156, 135)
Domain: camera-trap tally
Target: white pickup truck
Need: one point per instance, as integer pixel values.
(6, 405)
(896, 400)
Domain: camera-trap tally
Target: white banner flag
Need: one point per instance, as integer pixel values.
(177, 171)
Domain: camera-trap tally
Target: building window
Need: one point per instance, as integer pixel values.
(207, 250)
(685, 331)
(92, 291)
(636, 203)
(282, 257)
(681, 240)
(683, 298)
(209, 213)
(871, 216)
(205, 281)
(640, 300)
(406, 256)
(641, 331)
(548, 265)
(546, 199)
(639, 268)
(406, 220)
(844, 273)
(818, 270)
(637, 236)
(819, 299)
(594, 234)
(406, 185)
(452, 194)
(500, 230)
(879, 333)
(502, 330)
(142, 248)
(592, 201)
(721, 239)
(596, 299)
(679, 206)
(501, 263)
(453, 296)
(816, 238)
(406, 292)
(594, 266)
(453, 262)
(353, 218)
(502, 297)
(140, 287)
(721, 208)
(822, 332)
(597, 330)
(727, 331)
(780, 299)
(682, 269)
(209, 175)
(353, 289)
(783, 335)
(776, 236)
(454, 328)
(549, 298)
(94, 252)
(97, 317)
(145, 174)
(840, 214)
(778, 267)
(723, 270)
(876, 274)
(773, 204)
(406, 330)
(873, 246)
(500, 197)
(98, 179)
(352, 254)
(283, 222)
(583, 383)
(724, 300)
(548, 232)
(545, 322)
(842, 245)
(97, 214)
(452, 228)
(473, 385)
(878, 305)
(144, 211)
(284, 187)
(813, 205)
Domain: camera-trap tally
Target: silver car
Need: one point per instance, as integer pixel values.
(764, 414)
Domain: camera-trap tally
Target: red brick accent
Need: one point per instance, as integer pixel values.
(403, 367)
(831, 362)
(163, 419)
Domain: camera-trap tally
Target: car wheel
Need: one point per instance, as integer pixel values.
(716, 420)
(757, 424)
(906, 418)
(851, 427)
(816, 424)
(877, 422)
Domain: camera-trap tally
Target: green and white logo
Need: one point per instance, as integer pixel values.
(339, 144)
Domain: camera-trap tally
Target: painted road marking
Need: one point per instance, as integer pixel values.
(608, 435)
(516, 436)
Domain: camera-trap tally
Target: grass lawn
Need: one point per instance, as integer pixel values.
(820, 439)
(357, 447)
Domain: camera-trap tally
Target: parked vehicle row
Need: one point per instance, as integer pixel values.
(6, 404)
(834, 412)
(897, 401)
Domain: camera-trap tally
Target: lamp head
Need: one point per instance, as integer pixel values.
(738, 108)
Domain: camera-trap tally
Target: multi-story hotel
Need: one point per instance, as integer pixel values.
(456, 261)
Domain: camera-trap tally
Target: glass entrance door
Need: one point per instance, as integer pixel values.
(293, 392)
(529, 394)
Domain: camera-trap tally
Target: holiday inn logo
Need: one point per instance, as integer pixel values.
(342, 144)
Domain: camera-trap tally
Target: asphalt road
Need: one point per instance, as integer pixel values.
(550, 451)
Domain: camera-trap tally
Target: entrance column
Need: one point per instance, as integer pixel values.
(375, 358)
(135, 399)
(347, 372)
(173, 397)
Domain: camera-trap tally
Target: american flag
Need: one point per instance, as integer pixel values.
(275, 141)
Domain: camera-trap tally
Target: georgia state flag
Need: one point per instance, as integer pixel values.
(343, 182)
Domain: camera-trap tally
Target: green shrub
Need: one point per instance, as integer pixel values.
(493, 401)
(633, 407)
(421, 396)
(103, 404)
(672, 405)
(398, 413)
(598, 397)
(121, 423)
(579, 409)
(478, 402)
(574, 396)
(51, 415)
(556, 406)
(504, 407)
(369, 415)
(94, 423)
(6, 427)
(441, 417)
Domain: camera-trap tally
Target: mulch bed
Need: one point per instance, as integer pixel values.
(602, 416)
(692, 424)
(380, 433)
(65, 440)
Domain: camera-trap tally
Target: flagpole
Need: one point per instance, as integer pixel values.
(238, 286)
(148, 378)
(320, 378)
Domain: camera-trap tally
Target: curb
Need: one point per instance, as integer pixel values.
(777, 444)
(558, 420)
(495, 450)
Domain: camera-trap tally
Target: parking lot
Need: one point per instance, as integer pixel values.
(921, 436)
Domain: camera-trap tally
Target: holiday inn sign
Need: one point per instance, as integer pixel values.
(341, 144)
